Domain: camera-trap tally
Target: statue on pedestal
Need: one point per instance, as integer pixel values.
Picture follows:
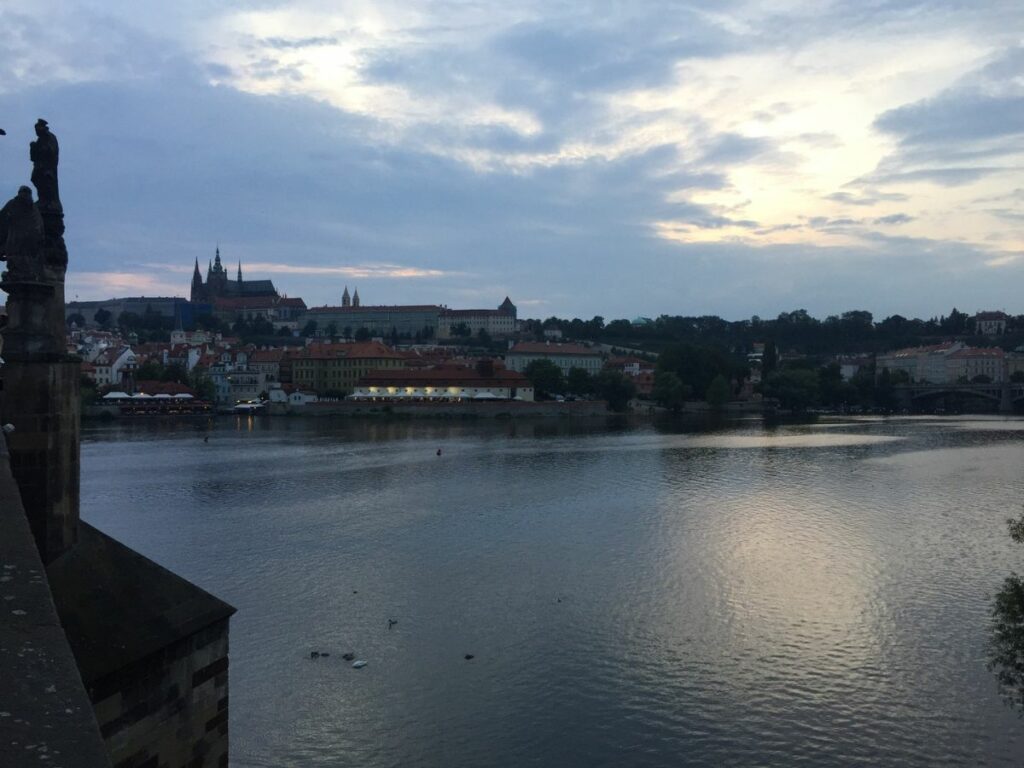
(21, 237)
(32, 244)
(45, 154)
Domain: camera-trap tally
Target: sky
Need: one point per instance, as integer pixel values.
(605, 158)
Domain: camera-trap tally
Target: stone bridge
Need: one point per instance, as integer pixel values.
(1005, 394)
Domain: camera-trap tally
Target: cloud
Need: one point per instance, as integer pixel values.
(367, 271)
(893, 218)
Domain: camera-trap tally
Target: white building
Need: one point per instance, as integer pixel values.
(445, 383)
(970, 362)
(112, 364)
(500, 322)
(565, 356)
(990, 323)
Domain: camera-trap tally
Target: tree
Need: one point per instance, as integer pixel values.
(718, 393)
(460, 331)
(770, 358)
(579, 382)
(76, 318)
(484, 337)
(669, 392)
(794, 388)
(1006, 644)
(545, 376)
(332, 329)
(394, 336)
(103, 317)
(614, 387)
(309, 329)
(363, 334)
(347, 332)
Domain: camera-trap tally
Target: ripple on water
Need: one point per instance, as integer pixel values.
(631, 598)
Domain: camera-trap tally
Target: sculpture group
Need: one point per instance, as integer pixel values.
(32, 245)
(32, 231)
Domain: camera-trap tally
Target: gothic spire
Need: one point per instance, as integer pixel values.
(239, 270)
(346, 300)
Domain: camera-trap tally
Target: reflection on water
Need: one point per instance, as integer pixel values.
(632, 595)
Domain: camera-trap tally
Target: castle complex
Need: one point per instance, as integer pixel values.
(219, 286)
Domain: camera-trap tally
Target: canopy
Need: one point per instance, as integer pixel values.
(183, 396)
(485, 396)
(116, 396)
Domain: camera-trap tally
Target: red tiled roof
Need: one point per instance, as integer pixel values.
(267, 356)
(446, 376)
(357, 350)
(968, 352)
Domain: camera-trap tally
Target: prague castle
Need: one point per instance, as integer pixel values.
(219, 286)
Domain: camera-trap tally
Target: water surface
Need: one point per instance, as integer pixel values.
(645, 595)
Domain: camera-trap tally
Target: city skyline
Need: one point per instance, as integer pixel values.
(582, 160)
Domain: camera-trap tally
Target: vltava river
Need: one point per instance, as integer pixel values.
(632, 595)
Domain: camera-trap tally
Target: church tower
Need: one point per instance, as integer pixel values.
(355, 298)
(197, 284)
(346, 301)
(240, 275)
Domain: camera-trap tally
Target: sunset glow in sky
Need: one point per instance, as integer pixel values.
(729, 158)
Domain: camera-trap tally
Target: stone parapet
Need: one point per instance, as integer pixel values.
(46, 717)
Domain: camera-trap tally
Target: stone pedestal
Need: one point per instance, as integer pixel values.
(41, 400)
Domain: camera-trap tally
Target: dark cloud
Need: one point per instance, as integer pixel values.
(894, 218)
(955, 116)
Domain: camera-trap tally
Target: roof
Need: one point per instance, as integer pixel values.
(357, 350)
(475, 313)
(244, 302)
(968, 352)
(163, 388)
(444, 376)
(376, 308)
(266, 356)
(543, 348)
(991, 316)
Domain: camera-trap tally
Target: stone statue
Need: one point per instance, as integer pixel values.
(21, 237)
(44, 153)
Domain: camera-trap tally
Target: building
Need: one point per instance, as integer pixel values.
(921, 364)
(177, 309)
(966, 364)
(112, 365)
(497, 323)
(280, 311)
(382, 321)
(337, 368)
(235, 380)
(990, 323)
(565, 356)
(217, 284)
(450, 383)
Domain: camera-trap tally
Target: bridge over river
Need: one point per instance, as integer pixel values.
(1007, 396)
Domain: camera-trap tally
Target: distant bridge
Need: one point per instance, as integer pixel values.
(1006, 394)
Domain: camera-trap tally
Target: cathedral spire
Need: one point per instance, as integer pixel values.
(216, 261)
(355, 298)
(239, 270)
(346, 300)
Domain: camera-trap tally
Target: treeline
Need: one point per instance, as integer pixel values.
(797, 331)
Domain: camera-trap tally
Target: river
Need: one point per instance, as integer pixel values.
(631, 594)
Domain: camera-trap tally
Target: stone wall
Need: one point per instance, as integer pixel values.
(169, 710)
